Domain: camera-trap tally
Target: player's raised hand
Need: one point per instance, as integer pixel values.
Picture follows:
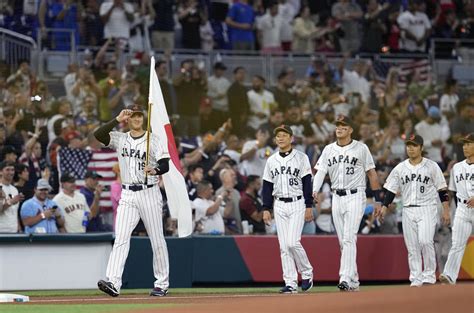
(308, 215)
(267, 217)
(124, 115)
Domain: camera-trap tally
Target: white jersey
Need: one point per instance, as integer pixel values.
(9, 217)
(73, 210)
(132, 156)
(286, 173)
(347, 165)
(461, 180)
(418, 184)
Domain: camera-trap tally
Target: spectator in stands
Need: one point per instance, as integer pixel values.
(22, 78)
(217, 87)
(22, 177)
(433, 134)
(40, 214)
(9, 154)
(251, 205)
(64, 15)
(92, 192)
(261, 102)
(287, 12)
(322, 129)
(348, 14)
(162, 31)
(194, 177)
(415, 28)
(233, 147)
(324, 224)
(127, 95)
(238, 101)
(354, 81)
(190, 16)
(304, 32)
(117, 16)
(108, 85)
(73, 206)
(209, 213)
(302, 132)
(462, 125)
(269, 30)
(11, 199)
(88, 113)
(393, 145)
(60, 109)
(92, 24)
(207, 35)
(231, 198)
(167, 89)
(255, 154)
(277, 117)
(449, 99)
(241, 19)
(374, 27)
(283, 97)
(190, 86)
(84, 86)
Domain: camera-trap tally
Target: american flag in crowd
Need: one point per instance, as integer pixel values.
(405, 67)
(78, 161)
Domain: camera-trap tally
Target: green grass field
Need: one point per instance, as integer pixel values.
(127, 307)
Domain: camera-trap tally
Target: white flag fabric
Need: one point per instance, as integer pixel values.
(175, 186)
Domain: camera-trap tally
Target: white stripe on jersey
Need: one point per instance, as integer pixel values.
(132, 156)
(347, 165)
(461, 180)
(419, 184)
(286, 173)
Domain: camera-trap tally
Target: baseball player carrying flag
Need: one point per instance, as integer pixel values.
(143, 158)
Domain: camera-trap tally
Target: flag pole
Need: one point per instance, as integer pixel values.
(148, 139)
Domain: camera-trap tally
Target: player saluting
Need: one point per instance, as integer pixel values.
(347, 162)
(461, 183)
(420, 181)
(287, 189)
(141, 197)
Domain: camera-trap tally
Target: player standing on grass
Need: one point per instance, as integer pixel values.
(461, 182)
(420, 181)
(347, 162)
(287, 189)
(141, 197)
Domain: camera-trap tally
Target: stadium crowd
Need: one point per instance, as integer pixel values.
(223, 128)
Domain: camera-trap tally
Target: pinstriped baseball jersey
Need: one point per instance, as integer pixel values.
(286, 173)
(419, 184)
(461, 180)
(347, 165)
(132, 156)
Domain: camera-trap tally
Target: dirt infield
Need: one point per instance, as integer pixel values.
(430, 299)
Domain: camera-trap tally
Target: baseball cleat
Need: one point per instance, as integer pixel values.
(344, 286)
(158, 292)
(306, 284)
(288, 289)
(445, 279)
(108, 288)
(416, 284)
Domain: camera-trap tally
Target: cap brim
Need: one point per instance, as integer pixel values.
(343, 123)
(412, 142)
(464, 140)
(280, 129)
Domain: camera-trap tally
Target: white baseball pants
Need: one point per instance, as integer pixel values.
(146, 204)
(347, 212)
(289, 219)
(462, 228)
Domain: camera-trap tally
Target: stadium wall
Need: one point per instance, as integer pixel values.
(78, 261)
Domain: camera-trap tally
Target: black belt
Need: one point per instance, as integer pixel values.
(412, 206)
(343, 192)
(136, 187)
(463, 201)
(290, 199)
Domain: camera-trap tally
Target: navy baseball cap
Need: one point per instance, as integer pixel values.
(66, 177)
(283, 128)
(414, 139)
(344, 120)
(469, 138)
(137, 109)
(93, 175)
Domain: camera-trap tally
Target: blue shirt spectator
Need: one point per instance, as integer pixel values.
(240, 19)
(63, 16)
(39, 214)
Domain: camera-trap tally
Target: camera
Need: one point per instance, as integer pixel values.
(36, 98)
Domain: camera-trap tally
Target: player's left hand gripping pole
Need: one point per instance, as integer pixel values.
(148, 130)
